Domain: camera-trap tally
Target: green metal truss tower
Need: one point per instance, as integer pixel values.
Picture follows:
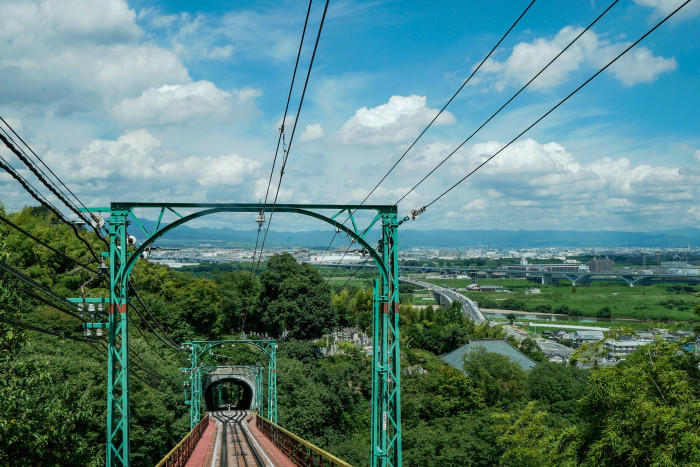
(196, 373)
(386, 380)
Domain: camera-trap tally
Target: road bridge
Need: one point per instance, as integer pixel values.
(548, 277)
(469, 307)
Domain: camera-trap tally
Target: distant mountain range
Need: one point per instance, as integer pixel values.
(678, 238)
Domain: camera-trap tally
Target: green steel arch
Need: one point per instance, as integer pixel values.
(386, 377)
(199, 348)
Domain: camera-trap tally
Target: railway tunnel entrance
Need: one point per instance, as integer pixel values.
(230, 393)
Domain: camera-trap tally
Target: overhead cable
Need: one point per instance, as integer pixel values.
(281, 130)
(14, 322)
(420, 135)
(46, 245)
(552, 109)
(291, 138)
(507, 102)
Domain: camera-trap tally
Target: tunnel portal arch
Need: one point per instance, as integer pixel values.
(248, 400)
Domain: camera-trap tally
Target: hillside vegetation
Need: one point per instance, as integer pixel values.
(643, 411)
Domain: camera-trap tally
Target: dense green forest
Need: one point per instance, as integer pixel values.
(644, 411)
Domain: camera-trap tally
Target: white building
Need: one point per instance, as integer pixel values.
(621, 349)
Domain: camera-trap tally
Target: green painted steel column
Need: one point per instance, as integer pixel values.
(259, 391)
(376, 374)
(386, 355)
(195, 387)
(394, 381)
(272, 384)
(117, 448)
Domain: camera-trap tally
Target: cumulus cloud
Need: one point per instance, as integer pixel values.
(591, 51)
(530, 174)
(312, 132)
(211, 171)
(393, 122)
(697, 154)
(664, 7)
(178, 103)
(138, 156)
(74, 55)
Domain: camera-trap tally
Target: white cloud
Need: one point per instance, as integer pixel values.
(639, 65)
(75, 55)
(530, 174)
(591, 51)
(178, 103)
(219, 52)
(138, 156)
(285, 194)
(697, 154)
(479, 204)
(664, 7)
(395, 121)
(312, 132)
(211, 171)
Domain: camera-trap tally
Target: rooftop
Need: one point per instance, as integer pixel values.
(499, 346)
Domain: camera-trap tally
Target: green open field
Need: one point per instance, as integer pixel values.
(658, 302)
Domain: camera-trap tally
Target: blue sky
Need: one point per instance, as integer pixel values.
(181, 101)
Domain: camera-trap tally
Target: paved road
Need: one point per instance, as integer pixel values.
(469, 307)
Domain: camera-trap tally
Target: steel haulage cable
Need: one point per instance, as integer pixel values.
(291, 138)
(578, 36)
(552, 109)
(420, 135)
(281, 130)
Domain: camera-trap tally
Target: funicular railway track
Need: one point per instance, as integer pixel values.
(236, 447)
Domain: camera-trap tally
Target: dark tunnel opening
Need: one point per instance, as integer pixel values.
(233, 391)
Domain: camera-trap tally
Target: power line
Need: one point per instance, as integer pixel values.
(507, 102)
(44, 202)
(46, 179)
(39, 176)
(420, 135)
(171, 342)
(552, 109)
(281, 130)
(14, 322)
(291, 138)
(31, 282)
(46, 245)
(449, 101)
(42, 162)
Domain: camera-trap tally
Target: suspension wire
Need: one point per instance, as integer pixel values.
(493, 49)
(507, 102)
(552, 109)
(430, 124)
(52, 305)
(21, 324)
(36, 285)
(40, 177)
(46, 245)
(171, 342)
(46, 179)
(38, 197)
(42, 162)
(143, 320)
(291, 138)
(25, 159)
(31, 189)
(146, 340)
(281, 130)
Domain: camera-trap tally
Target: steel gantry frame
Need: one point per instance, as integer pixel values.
(199, 348)
(386, 378)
